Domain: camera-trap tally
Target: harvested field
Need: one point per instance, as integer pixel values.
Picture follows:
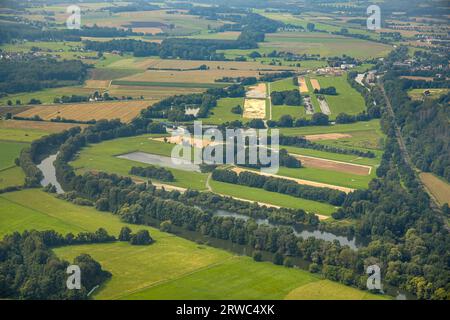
(257, 92)
(300, 181)
(327, 136)
(38, 125)
(326, 164)
(180, 65)
(437, 187)
(315, 84)
(152, 93)
(123, 110)
(302, 85)
(191, 76)
(97, 84)
(417, 78)
(148, 30)
(254, 109)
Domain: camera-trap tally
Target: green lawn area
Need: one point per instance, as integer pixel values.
(222, 112)
(102, 157)
(280, 110)
(329, 176)
(314, 291)
(172, 267)
(348, 100)
(417, 94)
(333, 156)
(13, 176)
(9, 151)
(278, 199)
(337, 128)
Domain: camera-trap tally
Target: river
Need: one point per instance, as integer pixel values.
(49, 172)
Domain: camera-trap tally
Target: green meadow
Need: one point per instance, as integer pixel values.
(222, 112)
(172, 267)
(273, 198)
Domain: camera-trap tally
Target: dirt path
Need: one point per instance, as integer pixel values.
(300, 181)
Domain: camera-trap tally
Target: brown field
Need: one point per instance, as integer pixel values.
(302, 85)
(417, 78)
(38, 125)
(437, 187)
(123, 110)
(193, 76)
(315, 84)
(148, 30)
(326, 164)
(138, 63)
(254, 109)
(300, 181)
(259, 91)
(97, 84)
(327, 136)
(152, 93)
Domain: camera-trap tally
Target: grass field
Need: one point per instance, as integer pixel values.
(317, 43)
(280, 110)
(167, 84)
(417, 94)
(278, 199)
(439, 188)
(333, 177)
(222, 112)
(27, 131)
(10, 151)
(172, 267)
(348, 100)
(102, 157)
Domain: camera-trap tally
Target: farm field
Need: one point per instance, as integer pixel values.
(12, 176)
(418, 94)
(103, 157)
(277, 199)
(156, 64)
(318, 43)
(10, 151)
(191, 78)
(336, 128)
(137, 271)
(348, 100)
(123, 110)
(27, 131)
(334, 177)
(222, 112)
(439, 188)
(255, 109)
(261, 285)
(280, 110)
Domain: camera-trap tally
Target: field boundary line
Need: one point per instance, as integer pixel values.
(183, 275)
(42, 212)
(300, 181)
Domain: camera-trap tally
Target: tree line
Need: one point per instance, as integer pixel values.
(280, 185)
